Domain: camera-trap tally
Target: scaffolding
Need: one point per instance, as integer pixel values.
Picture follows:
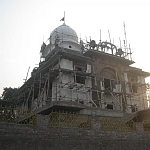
(38, 93)
(47, 85)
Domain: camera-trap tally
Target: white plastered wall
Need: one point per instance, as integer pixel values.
(66, 64)
(65, 89)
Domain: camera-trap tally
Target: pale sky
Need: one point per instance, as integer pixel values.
(24, 23)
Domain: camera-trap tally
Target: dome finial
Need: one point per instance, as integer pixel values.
(63, 19)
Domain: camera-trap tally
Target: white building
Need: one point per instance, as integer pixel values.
(84, 77)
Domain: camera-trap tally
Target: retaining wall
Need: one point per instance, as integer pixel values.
(42, 137)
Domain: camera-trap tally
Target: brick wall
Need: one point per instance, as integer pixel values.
(42, 137)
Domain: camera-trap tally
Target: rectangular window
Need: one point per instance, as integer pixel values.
(80, 79)
(80, 66)
(109, 106)
(134, 88)
(78, 69)
(134, 108)
(107, 83)
(107, 86)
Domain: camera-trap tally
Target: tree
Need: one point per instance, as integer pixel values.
(8, 92)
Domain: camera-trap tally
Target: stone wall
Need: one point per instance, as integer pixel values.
(42, 137)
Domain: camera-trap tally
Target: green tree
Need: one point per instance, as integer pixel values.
(8, 92)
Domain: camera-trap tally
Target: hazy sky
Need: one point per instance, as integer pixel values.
(24, 23)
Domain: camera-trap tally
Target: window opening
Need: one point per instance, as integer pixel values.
(134, 88)
(109, 106)
(80, 79)
(113, 83)
(78, 69)
(134, 108)
(80, 66)
(50, 85)
(107, 83)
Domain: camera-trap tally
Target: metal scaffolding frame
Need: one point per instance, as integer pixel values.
(39, 89)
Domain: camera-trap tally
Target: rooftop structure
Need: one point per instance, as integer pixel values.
(84, 77)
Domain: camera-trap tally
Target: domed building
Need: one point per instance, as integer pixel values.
(62, 36)
(84, 78)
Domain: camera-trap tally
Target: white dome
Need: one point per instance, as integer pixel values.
(63, 36)
(63, 33)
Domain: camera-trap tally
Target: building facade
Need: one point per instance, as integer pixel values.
(83, 77)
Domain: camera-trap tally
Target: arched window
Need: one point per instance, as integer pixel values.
(108, 73)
